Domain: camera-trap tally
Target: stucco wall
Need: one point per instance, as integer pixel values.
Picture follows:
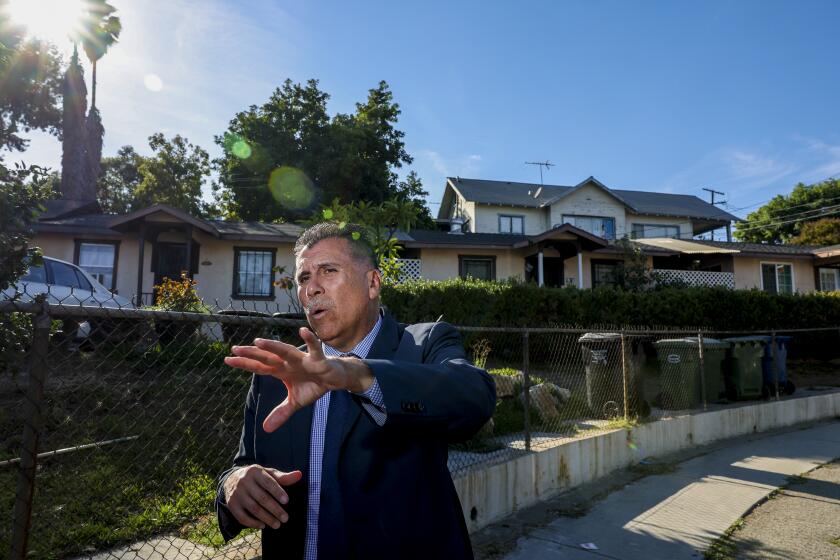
(589, 201)
(748, 273)
(214, 280)
(487, 218)
(440, 264)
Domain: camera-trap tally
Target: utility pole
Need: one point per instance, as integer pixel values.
(712, 193)
(542, 164)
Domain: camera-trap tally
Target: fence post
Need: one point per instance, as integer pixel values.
(31, 432)
(526, 385)
(701, 349)
(624, 374)
(775, 355)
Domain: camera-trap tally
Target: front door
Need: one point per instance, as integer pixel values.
(171, 261)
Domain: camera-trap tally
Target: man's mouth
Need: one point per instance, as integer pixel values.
(317, 312)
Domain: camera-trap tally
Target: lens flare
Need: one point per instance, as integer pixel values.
(55, 21)
(153, 82)
(237, 146)
(291, 187)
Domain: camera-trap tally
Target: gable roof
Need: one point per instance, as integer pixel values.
(121, 220)
(589, 181)
(530, 195)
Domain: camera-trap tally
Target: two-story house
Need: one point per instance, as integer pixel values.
(565, 235)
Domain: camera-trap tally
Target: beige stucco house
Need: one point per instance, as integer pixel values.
(552, 235)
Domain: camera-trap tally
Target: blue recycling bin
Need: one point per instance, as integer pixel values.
(786, 386)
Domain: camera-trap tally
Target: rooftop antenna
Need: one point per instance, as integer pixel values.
(712, 194)
(547, 164)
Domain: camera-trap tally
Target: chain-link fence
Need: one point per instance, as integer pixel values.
(116, 421)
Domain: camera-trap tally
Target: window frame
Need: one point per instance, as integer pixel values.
(777, 263)
(235, 284)
(77, 253)
(563, 218)
(643, 226)
(491, 258)
(511, 217)
(836, 272)
(611, 262)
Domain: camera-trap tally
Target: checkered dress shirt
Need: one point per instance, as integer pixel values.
(372, 402)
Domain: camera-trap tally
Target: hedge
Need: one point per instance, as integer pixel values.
(515, 304)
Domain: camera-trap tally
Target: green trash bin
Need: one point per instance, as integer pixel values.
(601, 353)
(679, 365)
(714, 354)
(742, 367)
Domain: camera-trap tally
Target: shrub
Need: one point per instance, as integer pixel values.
(515, 304)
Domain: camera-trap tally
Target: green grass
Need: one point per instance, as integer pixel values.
(835, 542)
(724, 547)
(184, 406)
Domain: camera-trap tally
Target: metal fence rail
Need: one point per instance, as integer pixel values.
(116, 422)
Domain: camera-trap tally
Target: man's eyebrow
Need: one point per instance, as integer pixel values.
(319, 265)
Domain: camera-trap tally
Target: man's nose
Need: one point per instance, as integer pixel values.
(313, 288)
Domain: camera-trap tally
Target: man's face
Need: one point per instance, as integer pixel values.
(339, 294)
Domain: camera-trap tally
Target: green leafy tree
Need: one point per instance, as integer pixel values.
(382, 221)
(173, 175)
(820, 232)
(784, 216)
(118, 180)
(283, 158)
(30, 89)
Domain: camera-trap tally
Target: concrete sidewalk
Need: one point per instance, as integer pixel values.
(678, 514)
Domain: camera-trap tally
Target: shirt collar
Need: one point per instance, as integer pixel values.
(361, 349)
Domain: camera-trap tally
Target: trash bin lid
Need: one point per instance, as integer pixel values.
(709, 342)
(243, 313)
(676, 342)
(599, 337)
(752, 339)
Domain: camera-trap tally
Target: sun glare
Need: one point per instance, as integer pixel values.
(49, 20)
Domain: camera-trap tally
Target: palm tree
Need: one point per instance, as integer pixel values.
(100, 29)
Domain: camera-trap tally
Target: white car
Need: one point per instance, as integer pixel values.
(66, 284)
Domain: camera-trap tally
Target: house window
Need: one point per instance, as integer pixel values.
(640, 231)
(829, 279)
(253, 273)
(511, 224)
(478, 267)
(604, 273)
(99, 259)
(596, 225)
(777, 278)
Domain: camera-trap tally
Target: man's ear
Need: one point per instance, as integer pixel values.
(374, 283)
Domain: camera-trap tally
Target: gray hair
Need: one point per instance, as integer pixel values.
(355, 235)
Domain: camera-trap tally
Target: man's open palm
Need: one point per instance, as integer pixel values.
(306, 375)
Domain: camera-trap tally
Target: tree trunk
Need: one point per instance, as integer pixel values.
(93, 88)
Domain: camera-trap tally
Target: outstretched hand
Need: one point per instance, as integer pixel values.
(306, 375)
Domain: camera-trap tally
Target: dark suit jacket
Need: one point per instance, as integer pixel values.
(397, 493)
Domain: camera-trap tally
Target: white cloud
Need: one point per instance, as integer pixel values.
(462, 166)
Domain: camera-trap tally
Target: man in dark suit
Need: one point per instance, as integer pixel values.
(344, 447)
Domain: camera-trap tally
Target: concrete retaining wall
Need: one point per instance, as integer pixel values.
(491, 494)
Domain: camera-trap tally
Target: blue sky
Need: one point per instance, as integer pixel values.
(741, 96)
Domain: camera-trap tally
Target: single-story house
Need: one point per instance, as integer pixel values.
(552, 235)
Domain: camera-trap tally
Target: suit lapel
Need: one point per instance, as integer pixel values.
(383, 348)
